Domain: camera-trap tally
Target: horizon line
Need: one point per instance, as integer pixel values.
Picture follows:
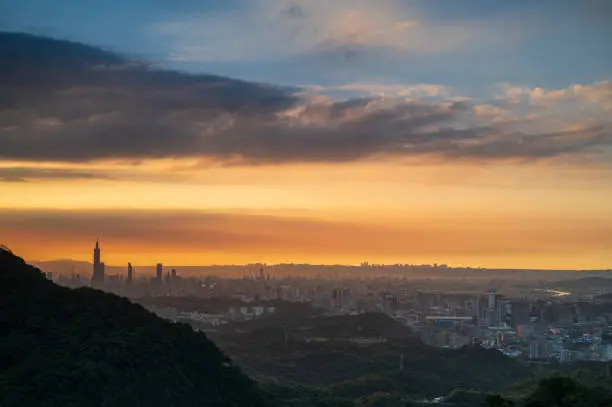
(370, 265)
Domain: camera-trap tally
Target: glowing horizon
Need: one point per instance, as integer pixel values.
(309, 132)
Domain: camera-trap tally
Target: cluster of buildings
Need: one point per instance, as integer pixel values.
(546, 325)
(214, 319)
(544, 329)
(100, 279)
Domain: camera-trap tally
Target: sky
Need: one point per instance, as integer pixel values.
(471, 132)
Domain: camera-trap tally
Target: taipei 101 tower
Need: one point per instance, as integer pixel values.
(97, 278)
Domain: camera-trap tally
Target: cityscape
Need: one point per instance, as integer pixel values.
(522, 320)
(305, 203)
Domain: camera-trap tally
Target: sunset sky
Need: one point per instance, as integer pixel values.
(466, 132)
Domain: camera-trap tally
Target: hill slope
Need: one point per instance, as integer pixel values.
(62, 347)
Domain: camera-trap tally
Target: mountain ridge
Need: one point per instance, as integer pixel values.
(84, 347)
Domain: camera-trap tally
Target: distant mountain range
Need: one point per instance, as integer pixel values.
(84, 268)
(69, 265)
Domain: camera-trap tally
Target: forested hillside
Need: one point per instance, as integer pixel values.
(63, 347)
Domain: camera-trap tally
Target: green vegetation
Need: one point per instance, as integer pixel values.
(62, 347)
(461, 397)
(557, 391)
(351, 371)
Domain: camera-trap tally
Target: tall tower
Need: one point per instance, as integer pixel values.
(96, 254)
(98, 267)
(130, 272)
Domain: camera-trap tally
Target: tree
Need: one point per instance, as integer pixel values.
(497, 401)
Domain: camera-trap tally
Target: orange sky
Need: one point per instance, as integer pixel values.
(487, 215)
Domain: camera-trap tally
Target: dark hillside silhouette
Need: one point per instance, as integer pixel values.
(63, 347)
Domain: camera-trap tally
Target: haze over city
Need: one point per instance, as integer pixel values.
(276, 131)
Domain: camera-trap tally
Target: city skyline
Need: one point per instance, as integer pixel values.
(157, 267)
(222, 132)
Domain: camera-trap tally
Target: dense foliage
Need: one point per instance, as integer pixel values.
(352, 371)
(62, 347)
(558, 391)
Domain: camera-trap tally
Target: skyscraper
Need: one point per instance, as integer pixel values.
(160, 270)
(97, 278)
(130, 273)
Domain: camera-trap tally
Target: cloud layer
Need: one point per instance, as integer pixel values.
(225, 236)
(62, 101)
(24, 174)
(281, 28)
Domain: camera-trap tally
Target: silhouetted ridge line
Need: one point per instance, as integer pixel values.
(63, 347)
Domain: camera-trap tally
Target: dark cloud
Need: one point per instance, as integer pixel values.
(339, 108)
(63, 101)
(393, 130)
(599, 10)
(66, 101)
(346, 53)
(35, 69)
(294, 11)
(546, 145)
(24, 174)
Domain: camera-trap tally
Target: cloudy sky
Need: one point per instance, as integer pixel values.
(471, 132)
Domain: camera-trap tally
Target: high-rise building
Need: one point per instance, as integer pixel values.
(491, 299)
(492, 317)
(97, 278)
(505, 311)
(160, 271)
(130, 273)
